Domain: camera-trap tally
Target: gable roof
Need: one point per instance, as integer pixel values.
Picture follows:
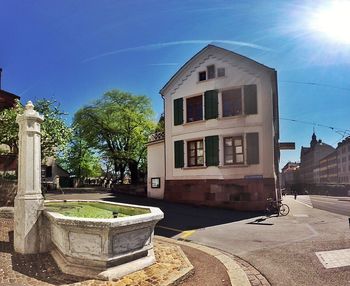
(208, 47)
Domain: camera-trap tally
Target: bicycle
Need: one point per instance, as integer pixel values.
(277, 207)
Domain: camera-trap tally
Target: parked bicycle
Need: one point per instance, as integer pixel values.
(276, 207)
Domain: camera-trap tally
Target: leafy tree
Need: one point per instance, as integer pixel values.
(161, 124)
(9, 127)
(55, 134)
(79, 159)
(118, 125)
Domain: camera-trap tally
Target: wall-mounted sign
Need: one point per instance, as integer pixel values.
(155, 183)
(287, 145)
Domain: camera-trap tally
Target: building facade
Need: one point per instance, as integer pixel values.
(329, 169)
(290, 176)
(310, 160)
(220, 146)
(343, 160)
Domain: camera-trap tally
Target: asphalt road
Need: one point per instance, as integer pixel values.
(338, 205)
(282, 248)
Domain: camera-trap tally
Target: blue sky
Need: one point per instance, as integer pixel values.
(74, 51)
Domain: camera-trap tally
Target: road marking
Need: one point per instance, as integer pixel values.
(183, 233)
(187, 233)
(305, 204)
(300, 215)
(334, 258)
(169, 228)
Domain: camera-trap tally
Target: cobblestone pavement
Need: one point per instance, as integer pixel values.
(254, 276)
(41, 269)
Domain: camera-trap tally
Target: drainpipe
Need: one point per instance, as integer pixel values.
(164, 145)
(0, 77)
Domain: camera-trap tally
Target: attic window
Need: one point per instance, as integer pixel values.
(211, 71)
(202, 76)
(221, 72)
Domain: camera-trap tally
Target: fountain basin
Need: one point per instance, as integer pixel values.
(106, 248)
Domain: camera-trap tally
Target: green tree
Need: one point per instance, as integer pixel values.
(118, 125)
(9, 127)
(79, 159)
(161, 124)
(55, 134)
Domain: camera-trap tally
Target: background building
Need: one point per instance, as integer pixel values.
(329, 169)
(343, 160)
(290, 176)
(8, 160)
(310, 160)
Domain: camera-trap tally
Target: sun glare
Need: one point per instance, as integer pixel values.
(333, 20)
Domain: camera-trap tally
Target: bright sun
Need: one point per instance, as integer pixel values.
(333, 20)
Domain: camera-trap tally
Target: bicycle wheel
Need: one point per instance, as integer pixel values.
(284, 209)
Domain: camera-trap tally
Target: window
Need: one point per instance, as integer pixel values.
(195, 153)
(202, 76)
(194, 108)
(233, 150)
(211, 71)
(232, 102)
(221, 72)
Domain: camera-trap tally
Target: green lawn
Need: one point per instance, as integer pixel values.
(92, 209)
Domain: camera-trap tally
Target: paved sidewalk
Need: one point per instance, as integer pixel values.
(211, 267)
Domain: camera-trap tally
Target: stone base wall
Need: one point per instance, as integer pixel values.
(8, 191)
(139, 190)
(237, 194)
(8, 163)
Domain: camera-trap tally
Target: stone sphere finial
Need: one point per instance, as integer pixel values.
(29, 105)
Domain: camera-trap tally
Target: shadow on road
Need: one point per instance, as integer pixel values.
(182, 217)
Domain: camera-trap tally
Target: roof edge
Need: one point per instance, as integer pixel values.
(183, 67)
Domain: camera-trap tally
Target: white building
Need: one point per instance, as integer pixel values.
(221, 133)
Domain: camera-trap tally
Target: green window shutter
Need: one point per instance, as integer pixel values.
(211, 104)
(179, 153)
(252, 148)
(178, 111)
(250, 99)
(212, 150)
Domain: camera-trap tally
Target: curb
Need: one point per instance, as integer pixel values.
(237, 276)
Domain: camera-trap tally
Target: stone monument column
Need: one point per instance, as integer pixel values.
(29, 201)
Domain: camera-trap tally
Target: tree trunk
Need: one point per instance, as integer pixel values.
(134, 172)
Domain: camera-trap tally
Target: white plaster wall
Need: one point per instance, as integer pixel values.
(156, 169)
(238, 73)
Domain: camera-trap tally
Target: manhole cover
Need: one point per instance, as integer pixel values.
(334, 258)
